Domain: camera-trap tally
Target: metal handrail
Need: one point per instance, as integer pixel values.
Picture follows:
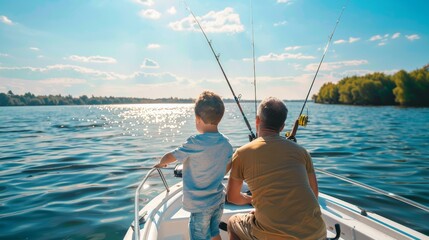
(136, 200)
(377, 190)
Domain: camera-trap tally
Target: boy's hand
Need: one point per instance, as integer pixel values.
(165, 160)
(160, 165)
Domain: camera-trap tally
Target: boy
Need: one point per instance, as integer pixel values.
(205, 157)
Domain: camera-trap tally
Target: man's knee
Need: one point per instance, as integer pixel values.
(239, 226)
(230, 222)
(231, 227)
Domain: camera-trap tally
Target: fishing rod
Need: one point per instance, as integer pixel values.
(254, 59)
(251, 135)
(302, 120)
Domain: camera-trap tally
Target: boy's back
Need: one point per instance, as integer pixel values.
(204, 157)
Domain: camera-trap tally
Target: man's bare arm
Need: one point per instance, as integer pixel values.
(228, 167)
(313, 184)
(234, 194)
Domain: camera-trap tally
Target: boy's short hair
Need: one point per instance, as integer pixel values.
(209, 107)
(272, 112)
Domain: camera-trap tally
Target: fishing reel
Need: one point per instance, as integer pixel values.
(302, 121)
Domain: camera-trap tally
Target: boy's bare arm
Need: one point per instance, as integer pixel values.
(165, 160)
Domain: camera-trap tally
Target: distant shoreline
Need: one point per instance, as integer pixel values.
(29, 99)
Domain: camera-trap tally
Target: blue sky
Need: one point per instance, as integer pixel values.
(151, 48)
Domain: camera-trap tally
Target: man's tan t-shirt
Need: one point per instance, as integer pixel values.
(275, 170)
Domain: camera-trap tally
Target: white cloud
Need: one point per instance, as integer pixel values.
(376, 37)
(75, 74)
(47, 86)
(4, 55)
(150, 13)
(58, 79)
(83, 70)
(350, 40)
(329, 66)
(91, 59)
(66, 82)
(383, 40)
(281, 23)
(172, 10)
(284, 87)
(153, 46)
(292, 48)
(340, 41)
(362, 72)
(412, 37)
(61, 70)
(353, 72)
(145, 2)
(154, 78)
(34, 48)
(296, 66)
(5, 20)
(283, 56)
(223, 21)
(149, 63)
(285, 1)
(396, 35)
(40, 56)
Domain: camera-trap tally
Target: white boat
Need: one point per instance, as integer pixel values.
(164, 218)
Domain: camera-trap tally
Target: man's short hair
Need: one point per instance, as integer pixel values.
(209, 107)
(273, 113)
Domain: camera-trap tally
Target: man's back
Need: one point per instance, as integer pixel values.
(276, 171)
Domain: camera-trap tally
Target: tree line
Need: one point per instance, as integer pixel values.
(402, 88)
(29, 99)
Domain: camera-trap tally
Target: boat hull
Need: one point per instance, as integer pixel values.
(164, 218)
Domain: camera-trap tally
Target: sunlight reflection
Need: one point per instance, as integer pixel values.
(163, 120)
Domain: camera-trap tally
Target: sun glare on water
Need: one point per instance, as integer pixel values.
(163, 121)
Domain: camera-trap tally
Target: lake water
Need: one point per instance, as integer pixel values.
(70, 172)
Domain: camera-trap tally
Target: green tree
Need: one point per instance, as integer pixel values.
(404, 88)
(4, 99)
(35, 102)
(421, 78)
(328, 93)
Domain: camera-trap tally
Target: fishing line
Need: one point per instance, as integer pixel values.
(252, 135)
(302, 120)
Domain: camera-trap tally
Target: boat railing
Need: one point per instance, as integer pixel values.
(377, 190)
(137, 216)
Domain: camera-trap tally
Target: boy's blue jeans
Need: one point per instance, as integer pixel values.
(205, 225)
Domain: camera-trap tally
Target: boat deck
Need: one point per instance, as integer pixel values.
(164, 218)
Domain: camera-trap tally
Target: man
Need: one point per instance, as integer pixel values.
(281, 177)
